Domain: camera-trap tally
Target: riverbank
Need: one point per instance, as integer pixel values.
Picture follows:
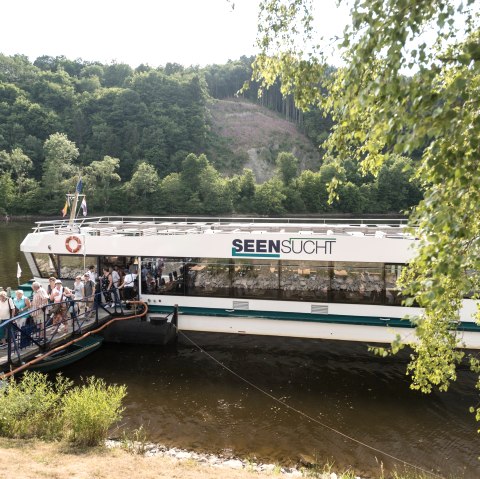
(31, 459)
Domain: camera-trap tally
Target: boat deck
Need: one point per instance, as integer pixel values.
(152, 226)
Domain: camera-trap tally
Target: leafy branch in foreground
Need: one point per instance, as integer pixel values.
(399, 94)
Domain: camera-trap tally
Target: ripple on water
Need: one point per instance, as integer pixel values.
(184, 399)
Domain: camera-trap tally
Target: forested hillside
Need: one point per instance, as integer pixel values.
(170, 140)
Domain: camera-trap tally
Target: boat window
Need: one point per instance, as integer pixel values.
(358, 283)
(209, 277)
(393, 295)
(291, 280)
(121, 262)
(256, 278)
(163, 275)
(305, 280)
(46, 263)
(72, 266)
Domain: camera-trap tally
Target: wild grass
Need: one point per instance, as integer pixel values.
(135, 442)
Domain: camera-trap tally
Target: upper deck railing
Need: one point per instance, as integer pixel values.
(168, 225)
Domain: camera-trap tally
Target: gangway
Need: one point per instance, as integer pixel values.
(26, 348)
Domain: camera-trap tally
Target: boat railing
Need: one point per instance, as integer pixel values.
(43, 327)
(151, 226)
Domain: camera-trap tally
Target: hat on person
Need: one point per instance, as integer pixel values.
(58, 281)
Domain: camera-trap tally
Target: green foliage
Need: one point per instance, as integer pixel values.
(379, 114)
(58, 170)
(7, 192)
(35, 407)
(31, 407)
(144, 187)
(90, 410)
(59, 117)
(100, 178)
(287, 166)
(269, 198)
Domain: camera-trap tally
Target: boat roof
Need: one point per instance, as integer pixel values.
(151, 226)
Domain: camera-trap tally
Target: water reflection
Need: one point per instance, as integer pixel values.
(184, 399)
(11, 235)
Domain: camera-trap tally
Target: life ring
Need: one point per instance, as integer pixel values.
(76, 245)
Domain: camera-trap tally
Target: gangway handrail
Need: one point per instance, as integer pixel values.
(73, 341)
(39, 335)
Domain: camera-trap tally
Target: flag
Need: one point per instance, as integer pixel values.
(84, 206)
(19, 271)
(65, 209)
(79, 187)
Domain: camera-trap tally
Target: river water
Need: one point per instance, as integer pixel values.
(207, 399)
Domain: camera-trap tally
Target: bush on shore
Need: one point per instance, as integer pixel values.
(34, 407)
(90, 410)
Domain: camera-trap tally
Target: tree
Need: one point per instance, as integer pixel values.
(7, 193)
(269, 198)
(15, 167)
(287, 166)
(397, 190)
(100, 178)
(379, 112)
(174, 193)
(58, 170)
(192, 167)
(143, 189)
(242, 191)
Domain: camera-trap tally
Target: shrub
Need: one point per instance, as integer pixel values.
(89, 410)
(31, 407)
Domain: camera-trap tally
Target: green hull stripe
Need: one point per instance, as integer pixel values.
(313, 318)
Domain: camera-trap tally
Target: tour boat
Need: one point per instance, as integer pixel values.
(309, 278)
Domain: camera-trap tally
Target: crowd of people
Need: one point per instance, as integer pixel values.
(55, 304)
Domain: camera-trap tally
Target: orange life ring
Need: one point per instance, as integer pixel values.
(77, 244)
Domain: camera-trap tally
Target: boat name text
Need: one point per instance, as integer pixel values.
(273, 248)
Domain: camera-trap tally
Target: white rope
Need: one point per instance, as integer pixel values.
(301, 413)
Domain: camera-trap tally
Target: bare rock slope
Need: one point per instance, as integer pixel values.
(259, 134)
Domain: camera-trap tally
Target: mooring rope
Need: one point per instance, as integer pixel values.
(310, 418)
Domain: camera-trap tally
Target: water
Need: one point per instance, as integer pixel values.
(11, 235)
(184, 398)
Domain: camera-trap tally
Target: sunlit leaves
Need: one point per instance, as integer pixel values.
(380, 112)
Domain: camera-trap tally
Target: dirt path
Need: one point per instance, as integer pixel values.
(37, 460)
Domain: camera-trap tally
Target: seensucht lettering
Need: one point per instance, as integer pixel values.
(313, 246)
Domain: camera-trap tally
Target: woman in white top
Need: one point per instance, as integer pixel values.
(78, 289)
(7, 311)
(40, 299)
